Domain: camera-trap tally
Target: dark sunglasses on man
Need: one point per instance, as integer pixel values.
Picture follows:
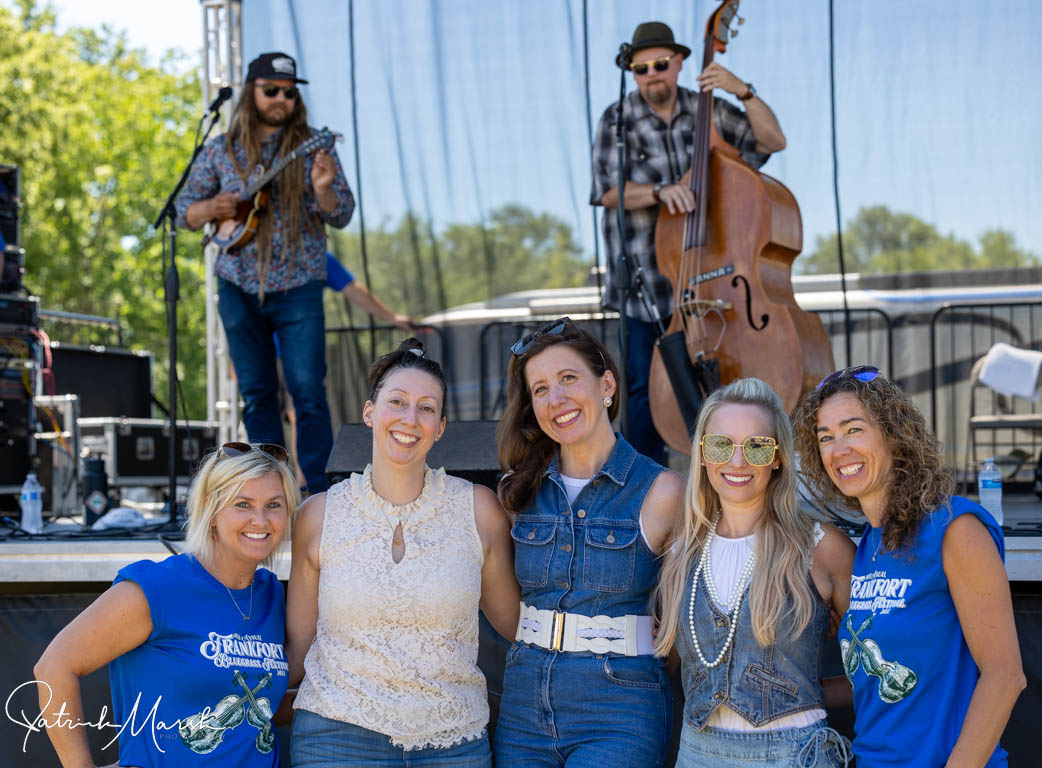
(661, 64)
(271, 91)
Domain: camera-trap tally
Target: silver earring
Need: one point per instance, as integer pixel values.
(607, 401)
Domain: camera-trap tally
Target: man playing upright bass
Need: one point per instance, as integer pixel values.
(658, 128)
(273, 283)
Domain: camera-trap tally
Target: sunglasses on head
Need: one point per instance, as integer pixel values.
(272, 450)
(661, 64)
(553, 328)
(271, 91)
(758, 451)
(859, 372)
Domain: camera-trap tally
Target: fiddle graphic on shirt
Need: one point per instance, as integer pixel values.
(203, 732)
(896, 680)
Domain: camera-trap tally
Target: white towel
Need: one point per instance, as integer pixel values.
(1012, 371)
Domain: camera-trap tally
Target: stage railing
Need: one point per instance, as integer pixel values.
(84, 330)
(351, 349)
(960, 334)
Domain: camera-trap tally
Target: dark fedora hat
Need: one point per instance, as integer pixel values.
(651, 34)
(274, 66)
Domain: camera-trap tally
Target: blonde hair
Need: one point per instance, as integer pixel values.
(784, 535)
(218, 480)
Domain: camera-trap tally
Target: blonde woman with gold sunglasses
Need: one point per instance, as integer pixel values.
(746, 591)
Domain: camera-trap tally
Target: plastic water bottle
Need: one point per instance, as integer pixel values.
(32, 504)
(989, 487)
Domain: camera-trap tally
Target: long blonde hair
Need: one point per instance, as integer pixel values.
(218, 480)
(780, 587)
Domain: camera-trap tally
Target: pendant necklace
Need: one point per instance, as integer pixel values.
(403, 512)
(245, 616)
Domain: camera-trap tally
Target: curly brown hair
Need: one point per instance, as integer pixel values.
(920, 479)
(525, 451)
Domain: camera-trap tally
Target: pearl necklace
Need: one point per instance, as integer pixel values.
(737, 593)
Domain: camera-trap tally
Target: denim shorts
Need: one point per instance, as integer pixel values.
(814, 746)
(584, 710)
(318, 742)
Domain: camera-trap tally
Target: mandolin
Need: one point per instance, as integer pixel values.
(234, 232)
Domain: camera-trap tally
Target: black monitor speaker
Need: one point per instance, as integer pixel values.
(467, 450)
(110, 382)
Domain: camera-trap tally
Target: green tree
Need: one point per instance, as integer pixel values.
(879, 240)
(517, 250)
(101, 137)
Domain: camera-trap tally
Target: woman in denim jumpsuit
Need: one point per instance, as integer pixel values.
(590, 517)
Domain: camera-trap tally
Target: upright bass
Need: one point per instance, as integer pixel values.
(730, 263)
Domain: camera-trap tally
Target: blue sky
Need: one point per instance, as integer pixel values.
(466, 105)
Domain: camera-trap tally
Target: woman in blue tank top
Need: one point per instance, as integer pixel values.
(746, 592)
(194, 643)
(590, 519)
(928, 641)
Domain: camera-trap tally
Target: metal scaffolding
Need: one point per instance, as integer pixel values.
(222, 65)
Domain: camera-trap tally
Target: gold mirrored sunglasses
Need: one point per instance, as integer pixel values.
(758, 451)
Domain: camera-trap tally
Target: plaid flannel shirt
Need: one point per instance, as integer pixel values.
(655, 154)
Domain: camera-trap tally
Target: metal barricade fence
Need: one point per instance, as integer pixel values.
(960, 334)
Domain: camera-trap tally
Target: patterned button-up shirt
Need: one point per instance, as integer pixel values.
(214, 171)
(655, 154)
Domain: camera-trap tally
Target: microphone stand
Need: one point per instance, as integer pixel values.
(172, 288)
(627, 267)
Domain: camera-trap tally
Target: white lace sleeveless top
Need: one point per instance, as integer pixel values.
(396, 646)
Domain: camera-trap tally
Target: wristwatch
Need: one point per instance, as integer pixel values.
(749, 93)
(656, 192)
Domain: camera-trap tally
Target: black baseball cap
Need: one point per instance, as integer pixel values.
(274, 66)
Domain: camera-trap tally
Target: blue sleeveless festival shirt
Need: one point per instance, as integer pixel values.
(903, 648)
(202, 688)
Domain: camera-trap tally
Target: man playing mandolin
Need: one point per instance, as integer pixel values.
(659, 123)
(271, 283)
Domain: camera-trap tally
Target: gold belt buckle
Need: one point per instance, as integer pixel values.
(557, 631)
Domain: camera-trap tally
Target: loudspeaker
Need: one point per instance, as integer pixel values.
(110, 382)
(10, 189)
(467, 450)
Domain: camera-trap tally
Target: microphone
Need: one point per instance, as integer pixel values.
(623, 59)
(222, 96)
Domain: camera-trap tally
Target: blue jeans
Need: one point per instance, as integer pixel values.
(318, 742)
(296, 317)
(582, 710)
(643, 436)
(815, 746)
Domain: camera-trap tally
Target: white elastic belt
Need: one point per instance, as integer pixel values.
(625, 635)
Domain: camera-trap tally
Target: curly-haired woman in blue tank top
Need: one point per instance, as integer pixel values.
(590, 519)
(928, 642)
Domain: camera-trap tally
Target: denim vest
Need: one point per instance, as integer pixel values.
(588, 557)
(761, 684)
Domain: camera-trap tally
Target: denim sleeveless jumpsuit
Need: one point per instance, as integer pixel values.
(587, 557)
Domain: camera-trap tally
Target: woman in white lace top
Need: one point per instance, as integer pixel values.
(389, 569)
(745, 595)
